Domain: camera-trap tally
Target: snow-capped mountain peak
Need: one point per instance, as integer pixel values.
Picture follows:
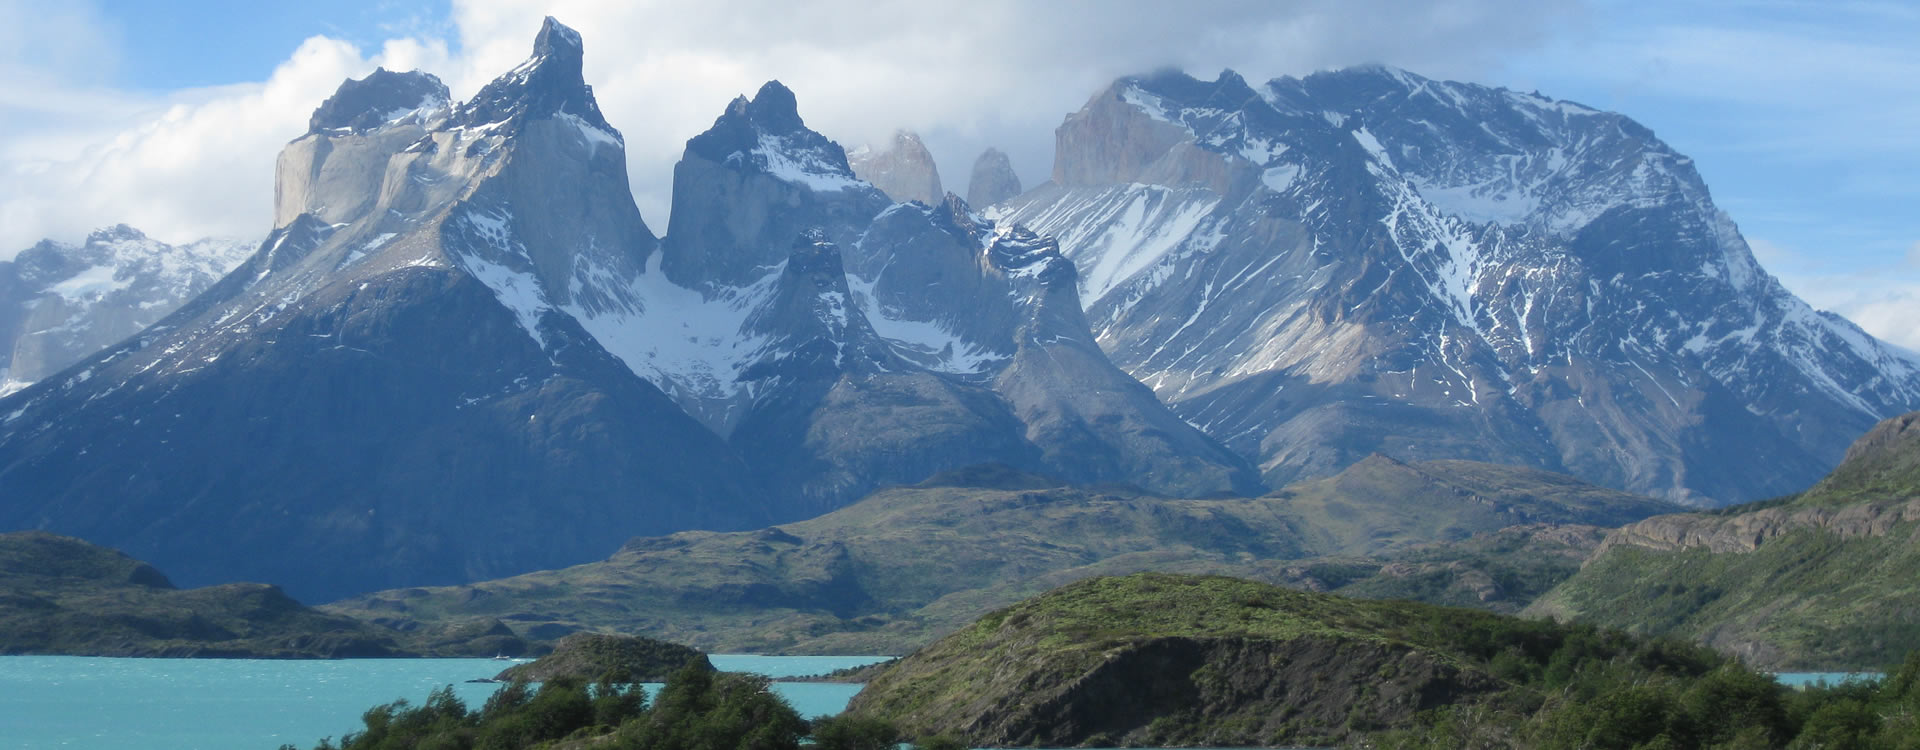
(1290, 265)
(549, 84)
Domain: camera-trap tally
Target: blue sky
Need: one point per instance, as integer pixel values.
(165, 46)
(1801, 115)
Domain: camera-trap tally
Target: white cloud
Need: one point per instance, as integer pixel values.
(75, 155)
(1891, 313)
(1884, 302)
(192, 164)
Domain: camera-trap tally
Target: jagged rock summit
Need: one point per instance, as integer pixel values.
(1365, 260)
(383, 96)
(904, 170)
(388, 391)
(993, 180)
(61, 302)
(841, 340)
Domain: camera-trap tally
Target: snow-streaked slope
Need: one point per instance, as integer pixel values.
(1434, 269)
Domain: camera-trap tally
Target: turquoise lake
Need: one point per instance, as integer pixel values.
(253, 704)
(249, 704)
(1804, 679)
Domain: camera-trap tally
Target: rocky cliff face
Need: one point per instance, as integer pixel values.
(904, 170)
(993, 179)
(1369, 261)
(391, 390)
(59, 302)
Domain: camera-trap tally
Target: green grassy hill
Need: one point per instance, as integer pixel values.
(60, 595)
(907, 564)
(1828, 579)
(1154, 660)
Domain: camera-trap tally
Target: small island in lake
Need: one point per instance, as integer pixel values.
(593, 657)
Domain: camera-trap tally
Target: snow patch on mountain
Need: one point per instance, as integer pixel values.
(592, 135)
(92, 284)
(932, 344)
(1119, 232)
(683, 340)
(1484, 202)
(801, 166)
(518, 290)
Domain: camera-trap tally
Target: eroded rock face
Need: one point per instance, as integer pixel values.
(993, 179)
(1365, 261)
(904, 170)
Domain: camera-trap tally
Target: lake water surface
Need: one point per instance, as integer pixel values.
(251, 704)
(257, 704)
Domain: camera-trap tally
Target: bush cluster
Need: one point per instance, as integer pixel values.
(697, 708)
(1618, 702)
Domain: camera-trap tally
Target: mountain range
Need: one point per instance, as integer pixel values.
(462, 343)
(461, 353)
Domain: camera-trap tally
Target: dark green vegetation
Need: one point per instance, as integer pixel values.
(615, 658)
(1828, 579)
(908, 564)
(697, 708)
(1159, 660)
(60, 595)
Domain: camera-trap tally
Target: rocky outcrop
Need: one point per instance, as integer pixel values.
(1745, 532)
(993, 179)
(904, 170)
